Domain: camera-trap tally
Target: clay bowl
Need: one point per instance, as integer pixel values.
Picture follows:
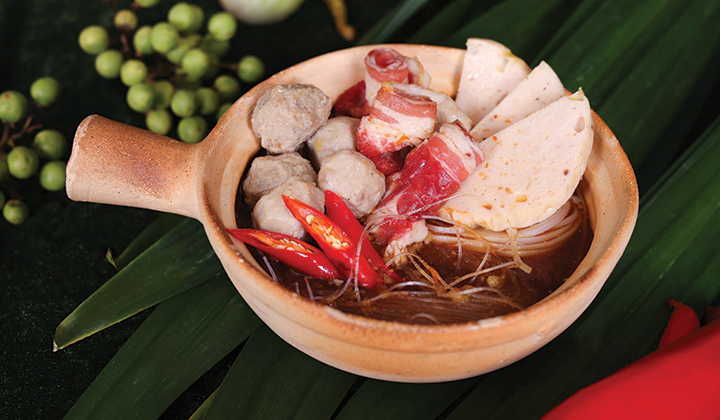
(118, 164)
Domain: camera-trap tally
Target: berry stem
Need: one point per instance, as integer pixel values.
(5, 135)
(126, 49)
(26, 129)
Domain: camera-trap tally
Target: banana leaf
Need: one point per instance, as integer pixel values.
(174, 346)
(598, 54)
(524, 26)
(151, 234)
(398, 16)
(443, 24)
(180, 260)
(271, 380)
(642, 108)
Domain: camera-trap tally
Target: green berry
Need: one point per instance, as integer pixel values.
(181, 16)
(164, 37)
(213, 69)
(108, 64)
(163, 94)
(15, 212)
(215, 47)
(184, 45)
(2, 199)
(3, 168)
(198, 20)
(222, 110)
(147, 3)
(49, 144)
(94, 39)
(141, 40)
(227, 87)
(192, 129)
(22, 162)
(159, 121)
(250, 69)
(195, 63)
(125, 20)
(140, 97)
(222, 26)
(183, 103)
(13, 106)
(52, 176)
(208, 100)
(45, 91)
(133, 72)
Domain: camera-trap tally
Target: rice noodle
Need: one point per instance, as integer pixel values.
(533, 240)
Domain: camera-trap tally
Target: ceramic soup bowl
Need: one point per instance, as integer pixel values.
(118, 164)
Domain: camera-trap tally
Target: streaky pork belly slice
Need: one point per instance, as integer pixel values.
(490, 71)
(541, 88)
(398, 119)
(387, 65)
(432, 172)
(447, 109)
(530, 170)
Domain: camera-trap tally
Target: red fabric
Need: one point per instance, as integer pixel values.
(678, 381)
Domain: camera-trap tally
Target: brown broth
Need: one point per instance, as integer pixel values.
(549, 271)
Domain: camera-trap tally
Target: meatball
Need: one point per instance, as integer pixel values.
(271, 214)
(353, 177)
(287, 115)
(267, 172)
(337, 134)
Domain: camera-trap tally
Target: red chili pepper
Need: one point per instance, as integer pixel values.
(683, 321)
(337, 245)
(295, 253)
(341, 214)
(678, 381)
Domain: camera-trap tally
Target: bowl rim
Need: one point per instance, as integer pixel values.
(593, 277)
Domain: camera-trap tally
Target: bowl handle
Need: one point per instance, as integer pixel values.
(115, 163)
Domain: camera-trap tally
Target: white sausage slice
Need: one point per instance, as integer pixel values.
(490, 71)
(531, 168)
(541, 88)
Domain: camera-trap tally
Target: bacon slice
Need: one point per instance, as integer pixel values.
(387, 65)
(432, 172)
(397, 119)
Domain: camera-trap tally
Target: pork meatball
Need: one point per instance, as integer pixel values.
(337, 134)
(267, 172)
(271, 214)
(287, 115)
(353, 177)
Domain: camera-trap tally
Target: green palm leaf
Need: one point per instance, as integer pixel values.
(271, 380)
(181, 259)
(177, 343)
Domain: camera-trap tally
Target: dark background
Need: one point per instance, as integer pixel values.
(56, 259)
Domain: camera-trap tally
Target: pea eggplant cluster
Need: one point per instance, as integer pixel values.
(184, 62)
(20, 158)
